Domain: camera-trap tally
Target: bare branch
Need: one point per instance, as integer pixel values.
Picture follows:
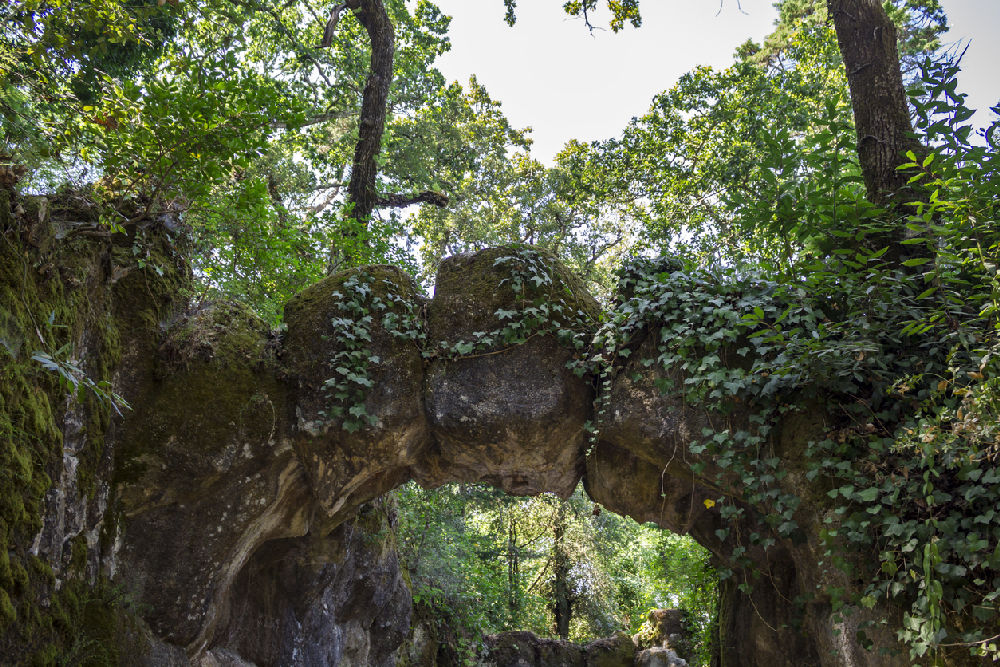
(399, 200)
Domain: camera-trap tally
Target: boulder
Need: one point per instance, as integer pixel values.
(666, 628)
(507, 414)
(353, 357)
(525, 649)
(323, 599)
(205, 473)
(616, 651)
(659, 657)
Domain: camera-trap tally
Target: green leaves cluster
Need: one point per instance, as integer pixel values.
(363, 309)
(902, 356)
(542, 304)
(486, 561)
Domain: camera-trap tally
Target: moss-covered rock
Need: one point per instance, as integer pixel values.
(206, 472)
(502, 404)
(470, 288)
(525, 649)
(353, 355)
(616, 651)
(61, 340)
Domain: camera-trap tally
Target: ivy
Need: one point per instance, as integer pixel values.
(901, 361)
(361, 309)
(540, 305)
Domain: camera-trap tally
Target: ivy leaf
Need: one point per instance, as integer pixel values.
(868, 495)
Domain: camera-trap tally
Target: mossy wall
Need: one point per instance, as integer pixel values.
(73, 300)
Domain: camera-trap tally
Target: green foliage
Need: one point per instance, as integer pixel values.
(903, 356)
(486, 560)
(622, 12)
(361, 309)
(227, 113)
(72, 378)
(500, 195)
(542, 304)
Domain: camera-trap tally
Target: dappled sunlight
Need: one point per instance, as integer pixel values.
(491, 562)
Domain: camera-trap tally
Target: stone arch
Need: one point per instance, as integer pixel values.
(235, 463)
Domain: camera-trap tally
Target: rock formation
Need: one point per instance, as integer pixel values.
(226, 502)
(524, 649)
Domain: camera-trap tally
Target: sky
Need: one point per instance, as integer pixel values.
(565, 82)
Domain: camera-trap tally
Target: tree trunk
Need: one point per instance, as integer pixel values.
(362, 193)
(361, 190)
(867, 40)
(513, 572)
(562, 603)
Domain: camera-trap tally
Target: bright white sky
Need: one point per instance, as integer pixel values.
(551, 74)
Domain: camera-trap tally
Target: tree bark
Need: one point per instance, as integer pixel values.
(867, 40)
(361, 191)
(562, 603)
(513, 572)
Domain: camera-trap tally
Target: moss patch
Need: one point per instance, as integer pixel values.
(471, 288)
(59, 302)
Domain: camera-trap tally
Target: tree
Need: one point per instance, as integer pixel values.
(555, 567)
(868, 44)
(361, 191)
(224, 120)
(500, 194)
(563, 599)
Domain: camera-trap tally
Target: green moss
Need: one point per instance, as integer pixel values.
(309, 312)
(59, 299)
(471, 288)
(78, 553)
(618, 651)
(19, 575)
(6, 574)
(221, 357)
(7, 612)
(228, 334)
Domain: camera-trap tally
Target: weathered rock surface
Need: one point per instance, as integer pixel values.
(441, 409)
(511, 416)
(348, 468)
(659, 657)
(665, 628)
(206, 473)
(234, 468)
(525, 649)
(322, 600)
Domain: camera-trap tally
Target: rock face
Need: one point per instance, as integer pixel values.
(659, 657)
(206, 473)
(225, 502)
(327, 331)
(509, 415)
(324, 601)
(240, 465)
(663, 639)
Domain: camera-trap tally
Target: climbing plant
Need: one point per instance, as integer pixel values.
(902, 356)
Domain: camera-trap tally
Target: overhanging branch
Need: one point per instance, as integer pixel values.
(400, 200)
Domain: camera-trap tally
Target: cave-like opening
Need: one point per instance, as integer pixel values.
(482, 562)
